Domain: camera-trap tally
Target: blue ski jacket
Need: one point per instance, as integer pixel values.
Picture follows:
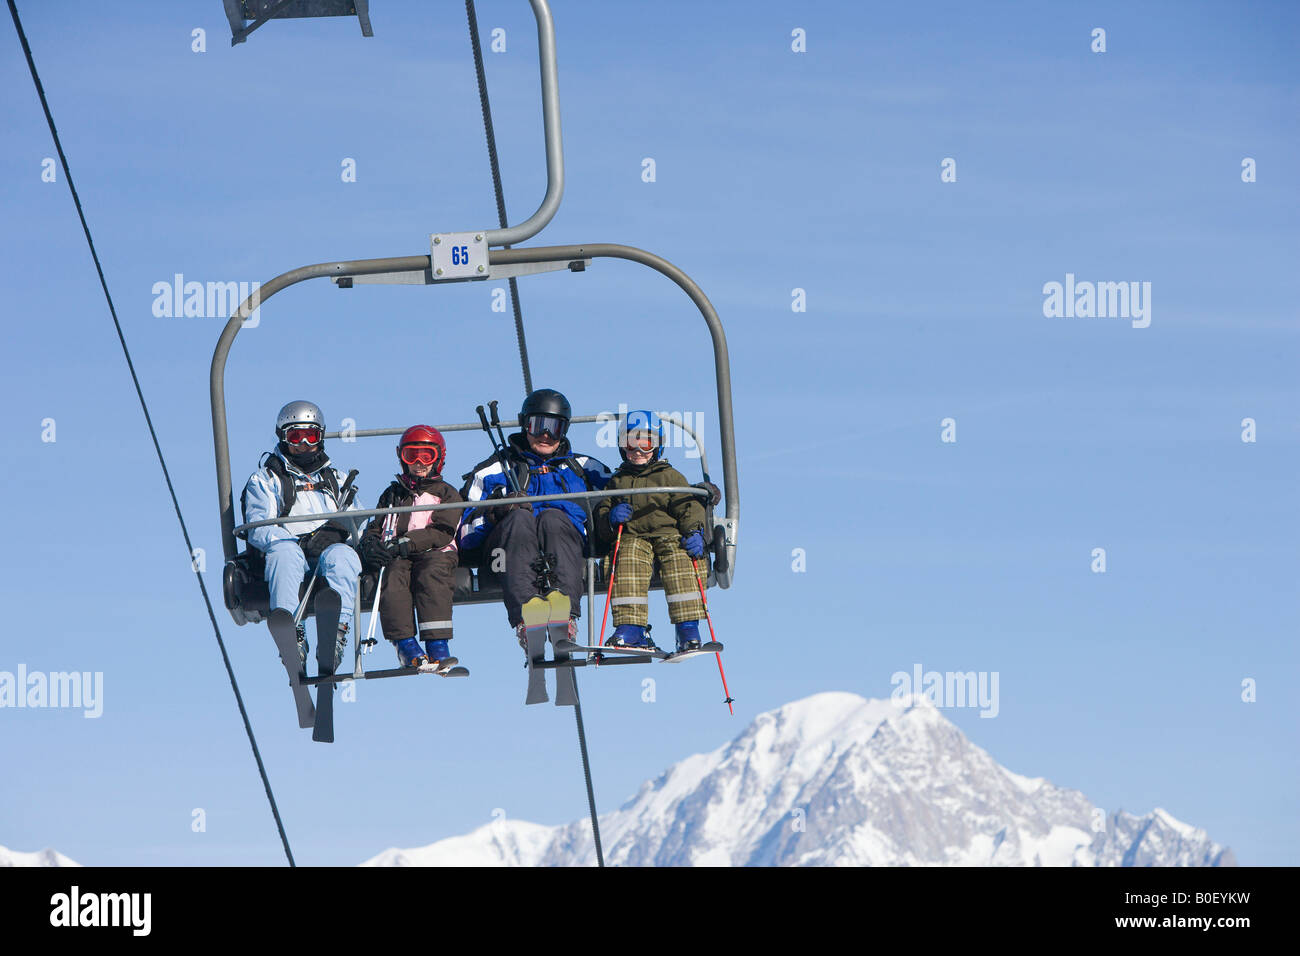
(561, 473)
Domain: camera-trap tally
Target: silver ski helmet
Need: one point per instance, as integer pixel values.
(299, 415)
(641, 421)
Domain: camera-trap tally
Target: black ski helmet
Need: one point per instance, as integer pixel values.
(545, 401)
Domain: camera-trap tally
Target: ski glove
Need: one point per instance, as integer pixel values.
(693, 544)
(498, 514)
(320, 539)
(620, 514)
(374, 553)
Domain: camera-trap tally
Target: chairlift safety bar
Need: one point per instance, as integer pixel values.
(465, 505)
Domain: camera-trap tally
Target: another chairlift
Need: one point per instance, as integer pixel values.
(245, 16)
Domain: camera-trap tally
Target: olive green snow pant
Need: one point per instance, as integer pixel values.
(636, 560)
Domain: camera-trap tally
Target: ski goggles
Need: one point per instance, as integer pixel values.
(418, 454)
(298, 435)
(539, 425)
(640, 441)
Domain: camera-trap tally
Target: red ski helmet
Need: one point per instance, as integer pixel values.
(422, 437)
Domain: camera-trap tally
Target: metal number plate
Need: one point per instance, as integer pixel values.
(459, 255)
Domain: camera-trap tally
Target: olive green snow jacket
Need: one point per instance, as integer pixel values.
(655, 514)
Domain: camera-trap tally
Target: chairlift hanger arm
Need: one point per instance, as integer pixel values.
(550, 82)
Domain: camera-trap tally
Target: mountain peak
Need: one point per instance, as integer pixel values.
(46, 857)
(839, 779)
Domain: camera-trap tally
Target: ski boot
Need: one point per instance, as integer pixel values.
(631, 635)
(688, 636)
(409, 652)
(521, 635)
(437, 650)
(340, 645)
(303, 650)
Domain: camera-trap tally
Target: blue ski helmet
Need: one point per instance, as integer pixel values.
(641, 421)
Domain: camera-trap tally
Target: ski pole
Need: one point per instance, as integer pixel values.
(610, 590)
(374, 612)
(499, 450)
(302, 605)
(705, 601)
(496, 421)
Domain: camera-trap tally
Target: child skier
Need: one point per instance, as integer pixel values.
(417, 550)
(668, 528)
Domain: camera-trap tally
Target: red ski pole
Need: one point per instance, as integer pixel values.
(713, 637)
(610, 590)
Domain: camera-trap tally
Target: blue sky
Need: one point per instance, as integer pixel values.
(775, 171)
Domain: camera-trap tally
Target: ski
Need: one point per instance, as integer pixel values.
(537, 619)
(711, 647)
(328, 607)
(285, 635)
(443, 668)
(566, 688)
(570, 647)
(391, 672)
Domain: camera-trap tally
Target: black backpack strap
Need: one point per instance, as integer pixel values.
(288, 492)
(586, 506)
(332, 482)
(572, 462)
(271, 462)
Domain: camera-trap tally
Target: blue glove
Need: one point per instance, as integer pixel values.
(620, 513)
(693, 544)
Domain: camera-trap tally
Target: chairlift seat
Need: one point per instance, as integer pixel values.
(249, 602)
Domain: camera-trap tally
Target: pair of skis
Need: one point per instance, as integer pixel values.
(320, 718)
(284, 631)
(547, 618)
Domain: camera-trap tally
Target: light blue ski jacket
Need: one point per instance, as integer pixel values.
(262, 499)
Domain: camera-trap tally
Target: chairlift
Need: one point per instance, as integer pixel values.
(473, 256)
(245, 16)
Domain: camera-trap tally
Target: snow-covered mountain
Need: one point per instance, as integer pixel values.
(45, 857)
(839, 780)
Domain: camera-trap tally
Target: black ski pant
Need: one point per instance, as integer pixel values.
(418, 588)
(515, 540)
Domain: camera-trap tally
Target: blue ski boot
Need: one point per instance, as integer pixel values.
(437, 650)
(688, 636)
(631, 635)
(409, 652)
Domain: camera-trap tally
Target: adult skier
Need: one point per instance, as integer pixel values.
(417, 549)
(296, 478)
(523, 535)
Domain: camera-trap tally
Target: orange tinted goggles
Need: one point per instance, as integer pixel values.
(419, 455)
